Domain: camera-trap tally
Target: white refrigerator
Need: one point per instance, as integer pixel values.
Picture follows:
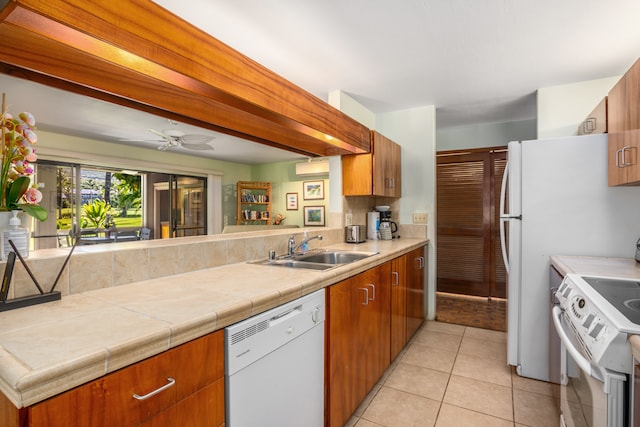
(558, 203)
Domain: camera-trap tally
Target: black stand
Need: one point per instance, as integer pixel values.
(30, 300)
(40, 298)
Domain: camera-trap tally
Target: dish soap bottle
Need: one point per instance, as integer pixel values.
(304, 246)
(18, 235)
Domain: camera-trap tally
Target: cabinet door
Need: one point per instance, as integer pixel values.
(386, 166)
(341, 367)
(416, 270)
(624, 129)
(596, 122)
(357, 175)
(396, 272)
(373, 294)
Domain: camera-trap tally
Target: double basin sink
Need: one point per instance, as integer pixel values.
(318, 259)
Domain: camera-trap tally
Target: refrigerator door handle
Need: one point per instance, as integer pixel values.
(503, 218)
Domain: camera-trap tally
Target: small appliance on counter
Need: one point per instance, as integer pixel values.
(638, 250)
(388, 229)
(373, 225)
(354, 233)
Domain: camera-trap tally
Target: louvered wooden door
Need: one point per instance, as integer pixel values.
(469, 259)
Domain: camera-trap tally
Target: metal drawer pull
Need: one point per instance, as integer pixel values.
(154, 392)
(373, 291)
(366, 296)
(395, 278)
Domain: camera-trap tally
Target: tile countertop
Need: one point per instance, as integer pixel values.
(614, 267)
(50, 348)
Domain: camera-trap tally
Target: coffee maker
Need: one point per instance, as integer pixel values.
(385, 217)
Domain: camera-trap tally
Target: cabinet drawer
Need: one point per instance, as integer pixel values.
(109, 401)
(202, 409)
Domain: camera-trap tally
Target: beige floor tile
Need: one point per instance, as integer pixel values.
(534, 409)
(534, 386)
(453, 416)
(485, 334)
(438, 340)
(367, 400)
(491, 370)
(428, 357)
(447, 328)
(480, 396)
(366, 423)
(421, 381)
(395, 408)
(483, 348)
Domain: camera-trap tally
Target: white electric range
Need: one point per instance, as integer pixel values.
(594, 319)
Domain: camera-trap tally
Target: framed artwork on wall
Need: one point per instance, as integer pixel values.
(292, 201)
(313, 215)
(313, 190)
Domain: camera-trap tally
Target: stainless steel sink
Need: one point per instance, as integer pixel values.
(334, 257)
(318, 259)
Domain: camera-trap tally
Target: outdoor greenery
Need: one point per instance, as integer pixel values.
(109, 200)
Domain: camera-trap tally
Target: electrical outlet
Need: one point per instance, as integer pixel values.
(348, 219)
(419, 217)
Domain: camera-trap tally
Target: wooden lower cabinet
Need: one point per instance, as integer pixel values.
(197, 394)
(416, 272)
(396, 271)
(357, 337)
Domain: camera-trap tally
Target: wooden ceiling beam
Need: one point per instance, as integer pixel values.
(122, 51)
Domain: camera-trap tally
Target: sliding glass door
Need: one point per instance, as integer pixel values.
(179, 205)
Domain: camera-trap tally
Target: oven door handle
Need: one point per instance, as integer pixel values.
(583, 363)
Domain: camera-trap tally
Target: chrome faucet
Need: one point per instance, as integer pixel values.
(292, 243)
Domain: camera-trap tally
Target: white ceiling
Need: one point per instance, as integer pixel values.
(475, 60)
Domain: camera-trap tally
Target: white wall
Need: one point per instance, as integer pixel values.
(484, 135)
(561, 109)
(414, 131)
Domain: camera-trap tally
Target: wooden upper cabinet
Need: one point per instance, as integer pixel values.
(121, 52)
(624, 129)
(373, 174)
(596, 122)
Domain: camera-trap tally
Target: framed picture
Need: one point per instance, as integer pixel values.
(313, 190)
(313, 215)
(292, 201)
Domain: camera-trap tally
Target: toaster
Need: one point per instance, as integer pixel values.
(355, 233)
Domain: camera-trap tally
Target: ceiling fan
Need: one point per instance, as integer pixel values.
(177, 138)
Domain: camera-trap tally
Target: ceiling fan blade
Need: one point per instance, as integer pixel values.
(196, 139)
(200, 147)
(160, 134)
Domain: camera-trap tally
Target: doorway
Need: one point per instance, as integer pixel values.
(471, 280)
(179, 205)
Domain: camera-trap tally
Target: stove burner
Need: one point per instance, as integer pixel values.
(633, 304)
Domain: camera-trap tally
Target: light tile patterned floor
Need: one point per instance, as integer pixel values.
(452, 375)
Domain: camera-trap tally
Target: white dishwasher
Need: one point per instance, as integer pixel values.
(274, 366)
